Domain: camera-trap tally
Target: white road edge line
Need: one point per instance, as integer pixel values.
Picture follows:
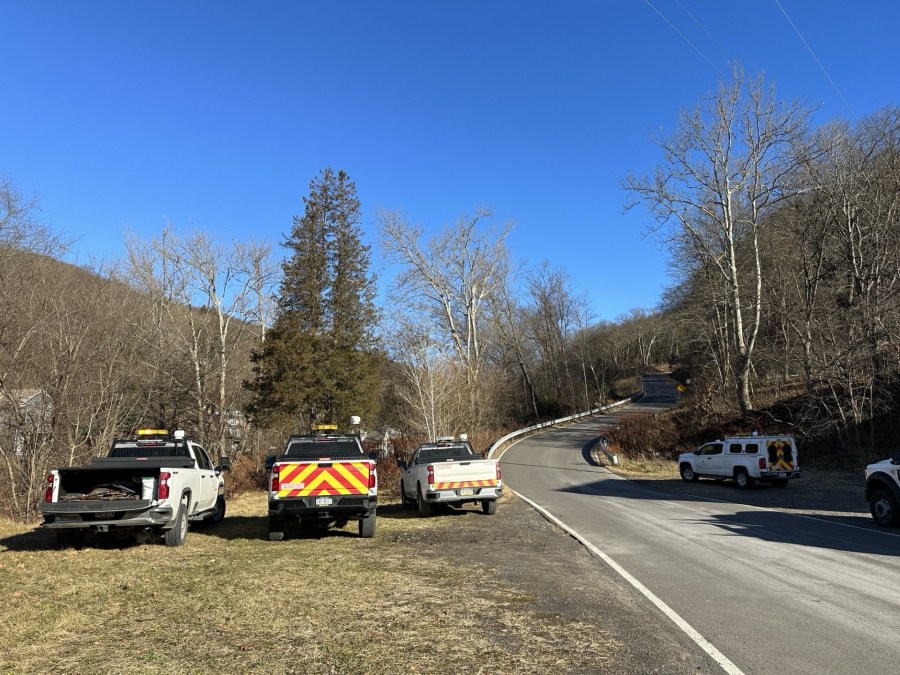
(689, 630)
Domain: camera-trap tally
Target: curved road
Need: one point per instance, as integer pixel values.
(767, 591)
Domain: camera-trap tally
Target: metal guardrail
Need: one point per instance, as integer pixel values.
(562, 420)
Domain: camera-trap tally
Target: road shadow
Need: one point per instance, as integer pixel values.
(771, 522)
(779, 527)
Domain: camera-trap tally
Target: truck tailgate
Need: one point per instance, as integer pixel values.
(305, 479)
(466, 473)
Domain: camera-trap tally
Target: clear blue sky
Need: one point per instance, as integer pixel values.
(216, 114)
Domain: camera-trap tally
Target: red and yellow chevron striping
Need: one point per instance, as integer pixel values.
(465, 484)
(338, 478)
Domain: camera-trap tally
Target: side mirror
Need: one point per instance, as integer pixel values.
(895, 456)
(224, 464)
(270, 462)
(401, 464)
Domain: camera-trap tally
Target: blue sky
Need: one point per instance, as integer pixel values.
(217, 114)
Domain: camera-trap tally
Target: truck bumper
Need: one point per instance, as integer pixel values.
(105, 516)
(349, 507)
(775, 475)
(463, 495)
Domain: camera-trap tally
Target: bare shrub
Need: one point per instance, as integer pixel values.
(646, 436)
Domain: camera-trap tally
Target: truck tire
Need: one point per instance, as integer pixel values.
(425, 508)
(176, 535)
(218, 514)
(489, 506)
(367, 526)
(276, 529)
(687, 473)
(884, 508)
(742, 478)
(405, 501)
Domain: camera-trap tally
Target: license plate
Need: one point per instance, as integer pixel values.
(782, 474)
(466, 492)
(324, 501)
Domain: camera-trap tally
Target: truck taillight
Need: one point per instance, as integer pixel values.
(498, 472)
(762, 462)
(276, 478)
(164, 477)
(48, 493)
(430, 474)
(372, 478)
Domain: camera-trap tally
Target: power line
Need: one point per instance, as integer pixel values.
(703, 28)
(816, 58)
(683, 37)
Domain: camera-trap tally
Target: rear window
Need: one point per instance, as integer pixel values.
(149, 450)
(436, 454)
(318, 447)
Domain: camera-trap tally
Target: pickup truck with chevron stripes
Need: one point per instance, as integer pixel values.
(323, 479)
(449, 472)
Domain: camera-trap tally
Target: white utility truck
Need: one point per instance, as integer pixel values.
(746, 459)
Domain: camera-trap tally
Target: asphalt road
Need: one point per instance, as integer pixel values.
(762, 591)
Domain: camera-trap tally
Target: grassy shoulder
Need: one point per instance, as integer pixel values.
(231, 601)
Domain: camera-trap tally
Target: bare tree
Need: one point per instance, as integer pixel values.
(20, 229)
(209, 289)
(448, 280)
(728, 165)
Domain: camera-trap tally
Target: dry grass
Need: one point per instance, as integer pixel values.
(229, 601)
(654, 467)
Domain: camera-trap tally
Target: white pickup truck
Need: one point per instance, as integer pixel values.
(746, 459)
(151, 485)
(449, 472)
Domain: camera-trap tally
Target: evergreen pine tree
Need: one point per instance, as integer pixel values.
(318, 363)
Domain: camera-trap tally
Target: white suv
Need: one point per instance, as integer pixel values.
(746, 459)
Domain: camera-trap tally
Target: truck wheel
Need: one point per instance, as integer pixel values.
(424, 507)
(177, 535)
(218, 514)
(687, 473)
(884, 508)
(405, 501)
(367, 526)
(276, 530)
(742, 478)
(489, 507)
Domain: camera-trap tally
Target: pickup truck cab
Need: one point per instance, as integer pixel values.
(746, 459)
(449, 472)
(154, 484)
(323, 479)
(883, 490)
